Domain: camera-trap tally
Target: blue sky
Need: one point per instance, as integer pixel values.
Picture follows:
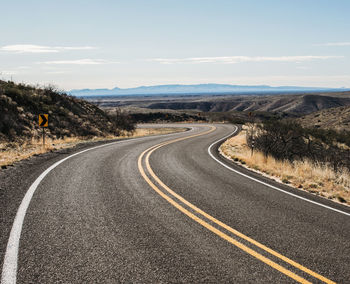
(103, 44)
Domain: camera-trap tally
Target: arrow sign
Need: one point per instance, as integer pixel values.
(43, 120)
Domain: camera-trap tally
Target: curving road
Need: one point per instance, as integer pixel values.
(163, 210)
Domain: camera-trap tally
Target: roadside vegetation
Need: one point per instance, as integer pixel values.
(21, 104)
(288, 140)
(312, 159)
(154, 117)
(71, 121)
(13, 152)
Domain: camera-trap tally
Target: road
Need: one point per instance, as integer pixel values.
(162, 210)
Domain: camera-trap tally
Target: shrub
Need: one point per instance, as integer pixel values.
(21, 104)
(287, 140)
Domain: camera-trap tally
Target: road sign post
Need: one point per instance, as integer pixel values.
(43, 137)
(43, 122)
(252, 133)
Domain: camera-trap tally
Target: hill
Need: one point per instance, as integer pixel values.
(21, 104)
(337, 118)
(293, 104)
(194, 89)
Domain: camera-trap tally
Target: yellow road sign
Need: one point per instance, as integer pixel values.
(43, 120)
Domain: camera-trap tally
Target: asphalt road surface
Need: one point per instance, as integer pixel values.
(161, 209)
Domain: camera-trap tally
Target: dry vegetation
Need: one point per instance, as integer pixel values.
(21, 104)
(14, 151)
(71, 121)
(337, 118)
(314, 177)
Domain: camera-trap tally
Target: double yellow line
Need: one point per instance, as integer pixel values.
(211, 228)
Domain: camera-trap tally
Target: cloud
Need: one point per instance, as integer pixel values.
(28, 48)
(240, 59)
(87, 61)
(31, 48)
(335, 44)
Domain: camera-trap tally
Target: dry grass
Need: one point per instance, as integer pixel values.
(316, 178)
(14, 152)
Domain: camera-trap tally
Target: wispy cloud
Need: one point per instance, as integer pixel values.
(86, 61)
(31, 48)
(240, 59)
(335, 44)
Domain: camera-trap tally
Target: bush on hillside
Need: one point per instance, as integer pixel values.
(288, 140)
(161, 116)
(21, 104)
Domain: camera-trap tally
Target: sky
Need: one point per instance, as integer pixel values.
(75, 44)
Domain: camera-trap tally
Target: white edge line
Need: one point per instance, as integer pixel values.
(264, 183)
(9, 268)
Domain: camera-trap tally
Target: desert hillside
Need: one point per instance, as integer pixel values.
(337, 118)
(293, 104)
(296, 104)
(21, 104)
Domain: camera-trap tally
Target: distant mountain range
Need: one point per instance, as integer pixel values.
(195, 89)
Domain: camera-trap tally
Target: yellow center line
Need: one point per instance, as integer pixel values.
(221, 224)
